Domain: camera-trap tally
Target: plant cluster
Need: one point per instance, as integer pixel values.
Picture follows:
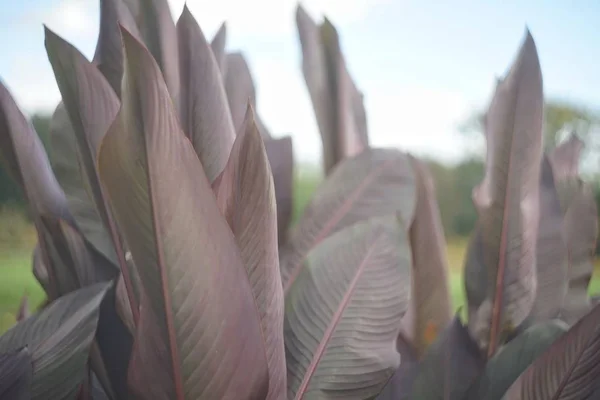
(163, 209)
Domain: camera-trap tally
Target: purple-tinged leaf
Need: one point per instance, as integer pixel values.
(343, 313)
(196, 296)
(515, 357)
(240, 90)
(40, 271)
(430, 299)
(59, 340)
(378, 182)
(507, 200)
(91, 105)
(552, 266)
(218, 47)
(568, 369)
(400, 384)
(581, 231)
(337, 103)
(565, 158)
(205, 115)
(281, 158)
(450, 366)
(16, 372)
(109, 48)
(246, 197)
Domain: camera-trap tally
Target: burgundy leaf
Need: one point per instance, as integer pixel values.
(16, 372)
(281, 158)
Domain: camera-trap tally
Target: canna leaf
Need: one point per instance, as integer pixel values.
(109, 48)
(337, 103)
(565, 158)
(204, 114)
(378, 182)
(281, 159)
(40, 271)
(343, 312)
(514, 358)
(581, 231)
(240, 90)
(430, 300)
(507, 200)
(196, 295)
(450, 365)
(552, 266)
(246, 197)
(400, 384)
(218, 47)
(58, 340)
(15, 375)
(568, 369)
(23, 312)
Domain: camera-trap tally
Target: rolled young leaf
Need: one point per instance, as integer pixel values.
(507, 200)
(59, 339)
(205, 115)
(109, 48)
(217, 46)
(343, 313)
(378, 182)
(16, 371)
(568, 369)
(246, 198)
(565, 158)
(23, 312)
(337, 103)
(197, 297)
(450, 365)
(430, 300)
(281, 159)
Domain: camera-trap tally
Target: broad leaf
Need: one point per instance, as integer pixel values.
(552, 266)
(378, 182)
(217, 46)
(569, 369)
(400, 384)
(281, 158)
(240, 89)
(450, 365)
(246, 197)
(507, 200)
(343, 313)
(514, 358)
(581, 231)
(58, 339)
(196, 292)
(430, 296)
(16, 372)
(337, 103)
(205, 115)
(109, 48)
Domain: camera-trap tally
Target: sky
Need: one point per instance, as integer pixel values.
(423, 66)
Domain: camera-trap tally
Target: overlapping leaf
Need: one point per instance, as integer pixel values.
(508, 200)
(343, 312)
(205, 115)
(281, 158)
(430, 296)
(16, 372)
(217, 46)
(514, 358)
(565, 158)
(377, 182)
(552, 266)
(569, 369)
(197, 296)
(58, 340)
(337, 103)
(246, 197)
(450, 366)
(400, 384)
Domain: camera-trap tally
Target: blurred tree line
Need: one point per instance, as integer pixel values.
(454, 183)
